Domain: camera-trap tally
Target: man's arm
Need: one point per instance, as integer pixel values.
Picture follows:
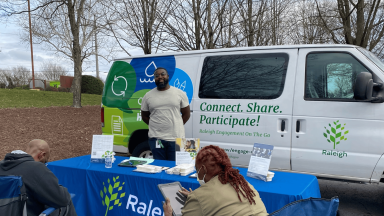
(145, 116)
(185, 113)
(47, 189)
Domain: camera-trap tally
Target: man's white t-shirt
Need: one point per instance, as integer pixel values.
(165, 119)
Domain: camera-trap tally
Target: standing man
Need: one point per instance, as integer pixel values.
(160, 110)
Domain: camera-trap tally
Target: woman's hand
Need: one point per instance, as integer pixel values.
(185, 192)
(167, 207)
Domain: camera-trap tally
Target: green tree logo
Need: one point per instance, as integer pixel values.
(336, 134)
(110, 199)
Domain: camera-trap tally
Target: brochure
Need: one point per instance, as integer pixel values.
(260, 161)
(101, 145)
(188, 150)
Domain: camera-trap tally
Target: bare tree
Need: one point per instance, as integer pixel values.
(3, 78)
(199, 24)
(305, 25)
(20, 75)
(15, 77)
(65, 26)
(52, 71)
(137, 23)
(360, 22)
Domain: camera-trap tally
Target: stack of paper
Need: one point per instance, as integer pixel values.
(148, 168)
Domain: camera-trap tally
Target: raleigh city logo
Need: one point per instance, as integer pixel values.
(335, 135)
(109, 198)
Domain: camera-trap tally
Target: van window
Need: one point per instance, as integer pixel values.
(331, 75)
(250, 76)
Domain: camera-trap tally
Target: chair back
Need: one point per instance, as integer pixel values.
(12, 195)
(309, 207)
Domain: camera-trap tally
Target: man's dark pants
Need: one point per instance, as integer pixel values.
(167, 152)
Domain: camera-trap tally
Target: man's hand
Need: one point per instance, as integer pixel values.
(167, 207)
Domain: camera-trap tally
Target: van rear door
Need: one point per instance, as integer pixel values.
(245, 98)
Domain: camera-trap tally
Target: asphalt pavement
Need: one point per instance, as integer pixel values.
(355, 199)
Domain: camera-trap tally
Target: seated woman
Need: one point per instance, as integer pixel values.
(223, 190)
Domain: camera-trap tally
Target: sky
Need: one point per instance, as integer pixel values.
(15, 53)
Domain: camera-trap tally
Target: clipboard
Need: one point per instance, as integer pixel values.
(170, 190)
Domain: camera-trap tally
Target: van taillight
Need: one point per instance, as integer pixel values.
(102, 116)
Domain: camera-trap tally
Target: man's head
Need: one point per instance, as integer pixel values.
(161, 78)
(39, 150)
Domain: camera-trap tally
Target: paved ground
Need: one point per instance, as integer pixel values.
(355, 199)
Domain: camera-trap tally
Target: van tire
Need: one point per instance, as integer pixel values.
(142, 150)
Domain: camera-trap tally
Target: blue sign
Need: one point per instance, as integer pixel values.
(145, 67)
(182, 81)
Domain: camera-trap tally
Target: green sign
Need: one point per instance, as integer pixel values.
(335, 133)
(110, 194)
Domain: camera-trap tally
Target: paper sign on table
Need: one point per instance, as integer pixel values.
(260, 161)
(100, 145)
(188, 150)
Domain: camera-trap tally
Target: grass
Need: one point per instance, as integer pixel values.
(15, 98)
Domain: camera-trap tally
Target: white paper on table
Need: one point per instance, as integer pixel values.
(260, 160)
(258, 165)
(189, 147)
(101, 144)
(183, 158)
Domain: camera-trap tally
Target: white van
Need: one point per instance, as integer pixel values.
(320, 106)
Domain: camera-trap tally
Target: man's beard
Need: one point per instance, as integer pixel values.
(162, 85)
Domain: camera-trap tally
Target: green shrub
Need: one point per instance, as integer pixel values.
(50, 88)
(91, 85)
(25, 87)
(62, 89)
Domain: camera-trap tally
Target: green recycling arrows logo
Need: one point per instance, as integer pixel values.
(110, 194)
(335, 134)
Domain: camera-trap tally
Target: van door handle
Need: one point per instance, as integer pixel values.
(297, 126)
(282, 126)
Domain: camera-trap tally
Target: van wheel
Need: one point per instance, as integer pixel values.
(142, 150)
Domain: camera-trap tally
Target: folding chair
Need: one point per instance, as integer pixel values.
(13, 196)
(48, 211)
(309, 207)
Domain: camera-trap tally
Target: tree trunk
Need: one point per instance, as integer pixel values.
(209, 24)
(74, 20)
(196, 18)
(250, 25)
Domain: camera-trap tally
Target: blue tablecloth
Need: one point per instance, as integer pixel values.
(121, 191)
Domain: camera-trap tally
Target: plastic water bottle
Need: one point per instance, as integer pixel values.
(108, 162)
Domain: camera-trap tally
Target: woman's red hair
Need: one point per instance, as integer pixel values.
(215, 155)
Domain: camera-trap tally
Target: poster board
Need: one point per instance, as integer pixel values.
(100, 145)
(260, 160)
(189, 148)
